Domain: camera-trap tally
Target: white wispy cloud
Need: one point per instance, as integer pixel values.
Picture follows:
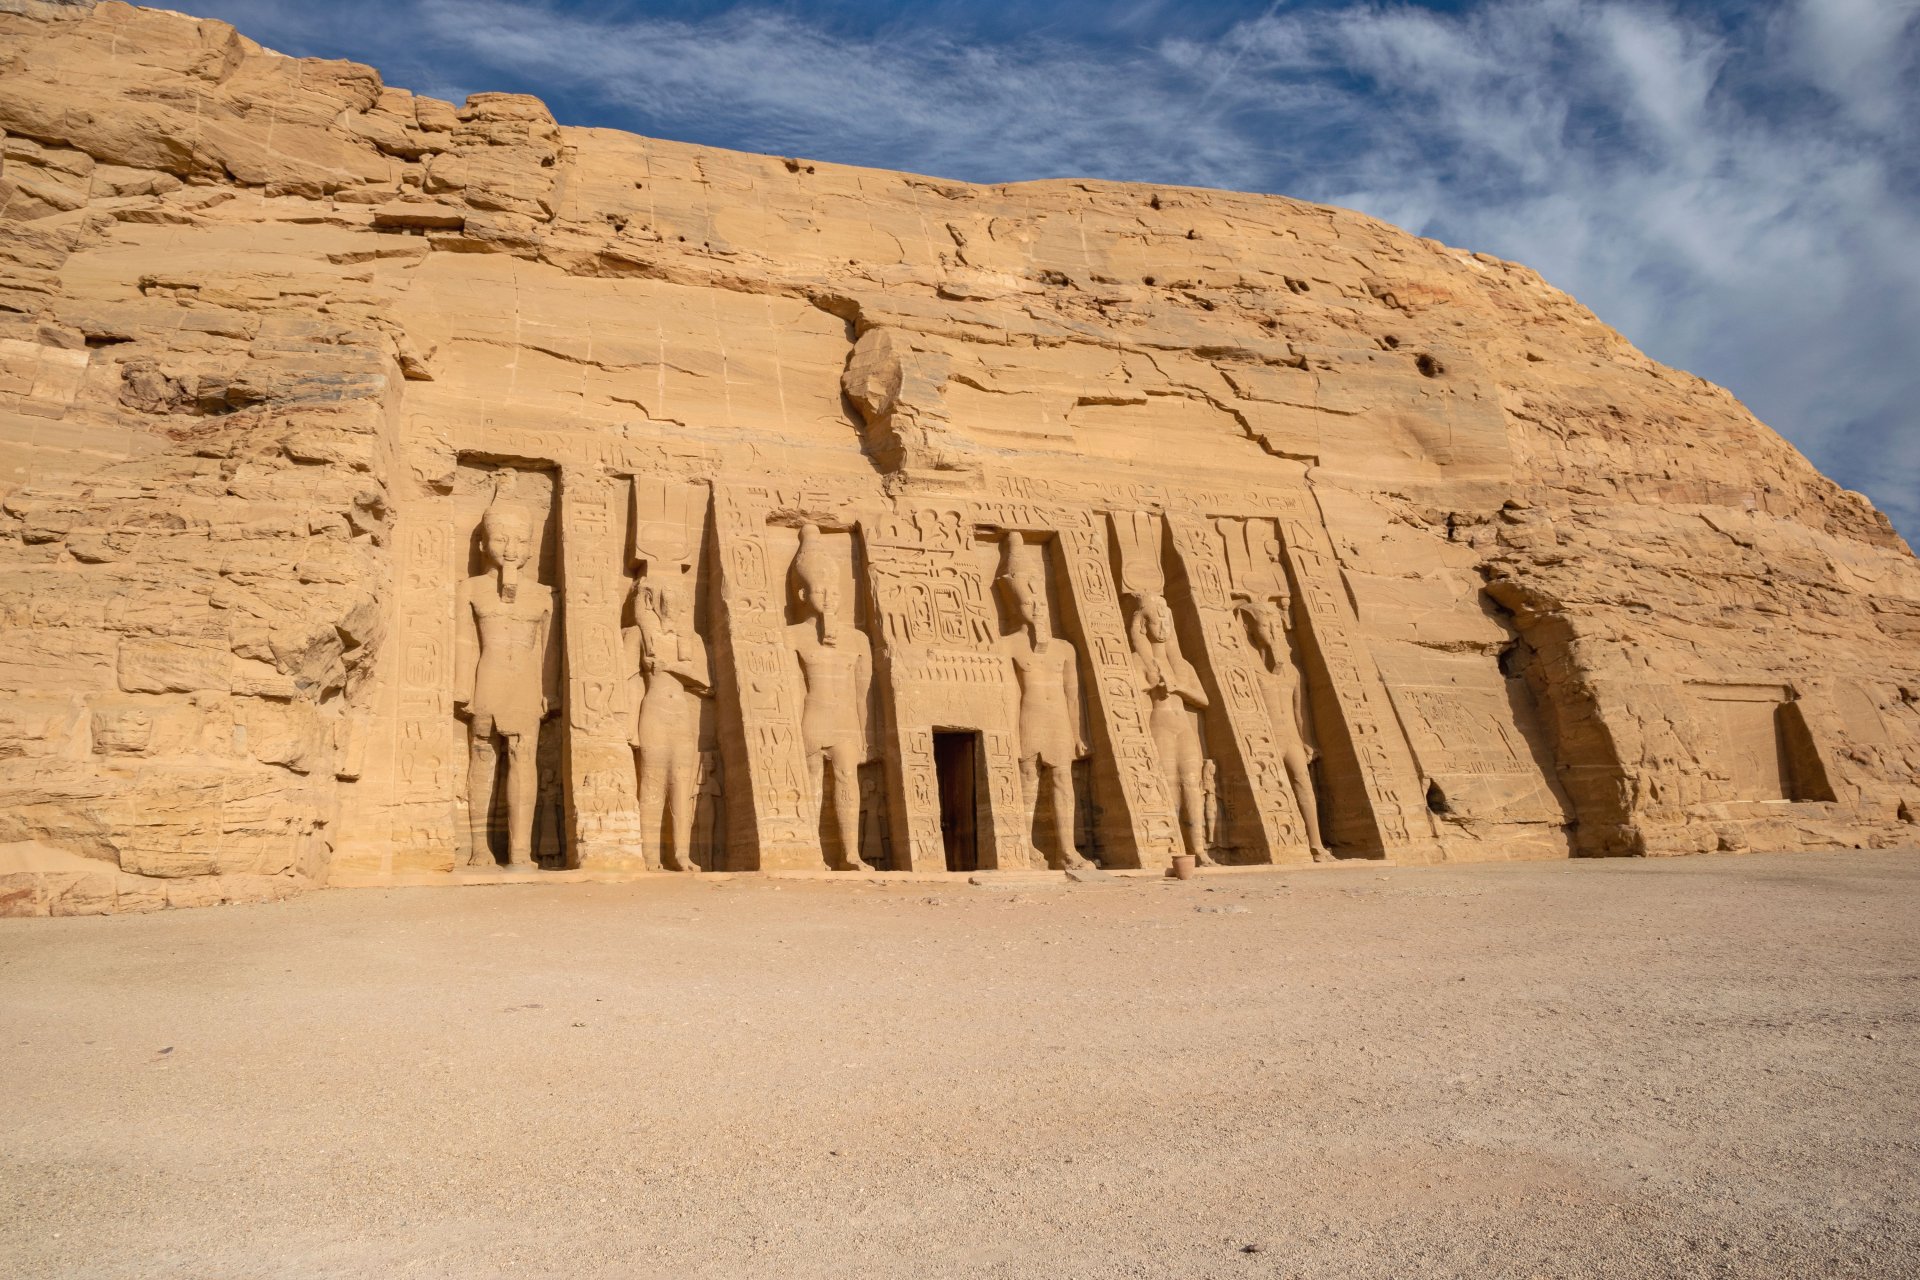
(1739, 192)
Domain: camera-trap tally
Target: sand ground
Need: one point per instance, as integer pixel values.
(1700, 1067)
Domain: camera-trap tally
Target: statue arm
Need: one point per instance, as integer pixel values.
(695, 671)
(636, 684)
(466, 646)
(1143, 655)
(863, 700)
(549, 664)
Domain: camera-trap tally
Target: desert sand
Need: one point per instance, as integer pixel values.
(1698, 1067)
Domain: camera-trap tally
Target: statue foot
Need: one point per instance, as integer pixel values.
(1322, 855)
(851, 866)
(1073, 863)
(687, 866)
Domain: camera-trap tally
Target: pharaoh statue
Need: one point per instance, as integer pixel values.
(1177, 697)
(670, 663)
(1052, 718)
(506, 675)
(836, 664)
(1266, 622)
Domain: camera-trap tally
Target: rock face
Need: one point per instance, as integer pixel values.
(392, 492)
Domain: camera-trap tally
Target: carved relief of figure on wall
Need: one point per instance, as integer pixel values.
(669, 661)
(836, 664)
(1053, 731)
(506, 678)
(1267, 626)
(1177, 698)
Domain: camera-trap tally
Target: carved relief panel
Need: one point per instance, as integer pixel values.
(1362, 739)
(668, 668)
(768, 803)
(943, 672)
(1176, 696)
(1123, 744)
(832, 657)
(1238, 591)
(508, 636)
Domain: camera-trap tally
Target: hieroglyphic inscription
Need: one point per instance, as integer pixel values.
(423, 821)
(1235, 668)
(1395, 797)
(1113, 692)
(764, 761)
(593, 535)
(937, 631)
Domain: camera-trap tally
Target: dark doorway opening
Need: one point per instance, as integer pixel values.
(954, 756)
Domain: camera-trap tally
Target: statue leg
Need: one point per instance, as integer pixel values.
(846, 804)
(680, 801)
(523, 793)
(1302, 782)
(1172, 777)
(1030, 800)
(1193, 799)
(482, 767)
(653, 787)
(1060, 778)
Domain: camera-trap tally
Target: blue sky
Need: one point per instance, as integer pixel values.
(1736, 187)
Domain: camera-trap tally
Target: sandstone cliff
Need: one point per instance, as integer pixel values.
(274, 335)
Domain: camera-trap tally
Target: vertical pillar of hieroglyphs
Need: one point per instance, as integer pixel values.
(1112, 694)
(940, 669)
(421, 772)
(1262, 782)
(761, 753)
(1394, 796)
(593, 522)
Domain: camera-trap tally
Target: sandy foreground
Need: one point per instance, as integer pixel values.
(1696, 1067)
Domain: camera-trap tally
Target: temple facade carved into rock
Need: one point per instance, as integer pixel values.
(394, 492)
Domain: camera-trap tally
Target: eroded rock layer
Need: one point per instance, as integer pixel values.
(395, 492)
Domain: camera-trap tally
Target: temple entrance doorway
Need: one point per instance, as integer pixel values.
(954, 756)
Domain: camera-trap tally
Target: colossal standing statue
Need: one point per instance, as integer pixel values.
(1266, 622)
(506, 675)
(670, 663)
(1174, 690)
(1052, 717)
(836, 663)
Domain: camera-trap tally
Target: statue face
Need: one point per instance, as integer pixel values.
(1265, 622)
(824, 599)
(1159, 619)
(663, 600)
(1029, 596)
(508, 542)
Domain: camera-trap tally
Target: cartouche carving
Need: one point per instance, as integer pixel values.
(1176, 698)
(505, 679)
(836, 664)
(1053, 731)
(670, 662)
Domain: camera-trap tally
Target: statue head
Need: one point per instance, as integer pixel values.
(506, 535)
(1157, 616)
(659, 595)
(1266, 627)
(819, 581)
(1023, 580)
(506, 539)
